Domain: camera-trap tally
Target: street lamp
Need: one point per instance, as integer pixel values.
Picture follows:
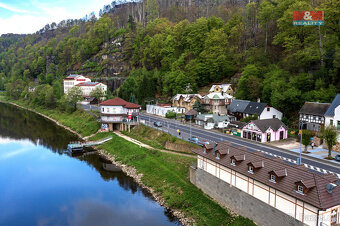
(300, 128)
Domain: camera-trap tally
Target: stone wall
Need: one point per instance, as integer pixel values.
(239, 201)
(178, 147)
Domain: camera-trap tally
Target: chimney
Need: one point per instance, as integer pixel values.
(214, 148)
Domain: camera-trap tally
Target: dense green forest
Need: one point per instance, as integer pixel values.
(170, 48)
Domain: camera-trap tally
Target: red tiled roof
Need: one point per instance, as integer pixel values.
(132, 105)
(119, 102)
(114, 102)
(316, 195)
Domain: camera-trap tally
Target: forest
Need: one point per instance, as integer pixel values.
(172, 46)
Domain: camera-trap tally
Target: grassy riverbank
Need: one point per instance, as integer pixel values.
(158, 139)
(79, 120)
(167, 174)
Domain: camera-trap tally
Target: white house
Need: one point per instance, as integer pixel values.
(332, 115)
(313, 199)
(243, 108)
(312, 115)
(210, 121)
(88, 87)
(116, 111)
(73, 80)
(163, 109)
(222, 88)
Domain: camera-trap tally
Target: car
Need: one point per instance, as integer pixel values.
(157, 124)
(203, 142)
(337, 158)
(193, 140)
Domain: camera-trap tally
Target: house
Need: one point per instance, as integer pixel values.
(237, 107)
(73, 80)
(210, 121)
(222, 88)
(185, 100)
(163, 109)
(190, 115)
(265, 189)
(217, 102)
(332, 115)
(312, 115)
(88, 87)
(243, 108)
(116, 113)
(265, 130)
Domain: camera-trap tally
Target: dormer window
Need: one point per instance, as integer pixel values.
(217, 155)
(300, 189)
(233, 163)
(250, 169)
(273, 178)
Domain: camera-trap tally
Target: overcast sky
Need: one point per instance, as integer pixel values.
(29, 16)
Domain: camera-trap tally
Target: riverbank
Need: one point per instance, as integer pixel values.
(78, 122)
(165, 176)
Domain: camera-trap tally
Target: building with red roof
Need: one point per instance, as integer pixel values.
(117, 112)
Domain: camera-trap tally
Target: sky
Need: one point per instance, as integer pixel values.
(29, 16)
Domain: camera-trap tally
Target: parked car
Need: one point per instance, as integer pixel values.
(157, 124)
(194, 140)
(203, 142)
(337, 158)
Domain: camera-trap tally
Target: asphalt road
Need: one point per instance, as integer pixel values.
(171, 126)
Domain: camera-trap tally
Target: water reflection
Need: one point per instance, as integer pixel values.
(18, 124)
(38, 187)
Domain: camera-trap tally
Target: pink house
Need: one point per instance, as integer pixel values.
(265, 130)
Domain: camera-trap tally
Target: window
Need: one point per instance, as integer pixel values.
(233, 162)
(338, 126)
(102, 109)
(272, 178)
(300, 189)
(218, 155)
(331, 122)
(268, 109)
(107, 109)
(250, 169)
(274, 116)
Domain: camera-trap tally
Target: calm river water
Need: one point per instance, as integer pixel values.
(40, 185)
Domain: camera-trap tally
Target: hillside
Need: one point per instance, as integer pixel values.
(161, 48)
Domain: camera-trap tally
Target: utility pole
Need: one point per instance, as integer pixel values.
(300, 128)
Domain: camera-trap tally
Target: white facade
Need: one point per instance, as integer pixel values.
(73, 80)
(163, 110)
(116, 113)
(334, 121)
(87, 89)
(290, 205)
(270, 112)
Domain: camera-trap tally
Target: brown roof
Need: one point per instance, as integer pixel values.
(257, 164)
(312, 108)
(316, 196)
(264, 124)
(119, 102)
(191, 112)
(280, 172)
(239, 157)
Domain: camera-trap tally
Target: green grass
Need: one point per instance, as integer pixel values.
(156, 138)
(79, 120)
(100, 136)
(167, 174)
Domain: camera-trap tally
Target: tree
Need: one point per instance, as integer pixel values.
(98, 93)
(74, 95)
(306, 136)
(198, 106)
(329, 135)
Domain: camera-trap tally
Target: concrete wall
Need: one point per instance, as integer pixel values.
(239, 201)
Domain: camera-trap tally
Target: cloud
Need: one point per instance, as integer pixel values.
(25, 22)
(13, 9)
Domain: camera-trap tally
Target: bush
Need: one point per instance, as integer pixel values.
(170, 114)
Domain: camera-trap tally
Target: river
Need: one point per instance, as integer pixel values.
(41, 185)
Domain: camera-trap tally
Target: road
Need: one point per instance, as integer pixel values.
(171, 126)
